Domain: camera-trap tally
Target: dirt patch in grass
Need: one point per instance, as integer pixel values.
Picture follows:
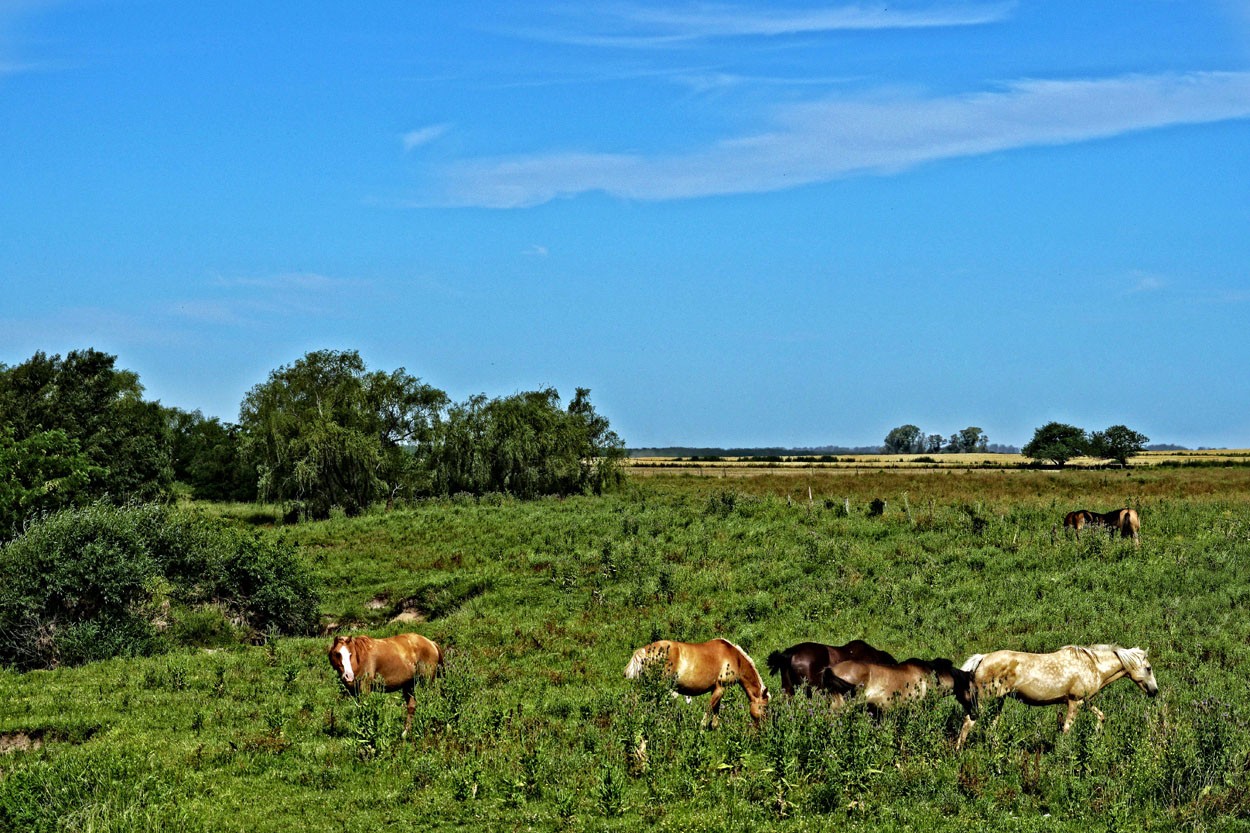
(19, 741)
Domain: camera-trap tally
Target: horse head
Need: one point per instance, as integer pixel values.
(1137, 666)
(341, 659)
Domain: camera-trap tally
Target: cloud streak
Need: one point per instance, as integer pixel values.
(823, 141)
(423, 136)
(636, 26)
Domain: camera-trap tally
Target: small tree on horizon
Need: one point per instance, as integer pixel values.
(1117, 443)
(905, 439)
(1057, 442)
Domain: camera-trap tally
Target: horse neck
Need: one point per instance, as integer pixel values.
(748, 675)
(1110, 666)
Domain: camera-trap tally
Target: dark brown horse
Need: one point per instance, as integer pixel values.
(396, 663)
(806, 662)
(1124, 521)
(700, 667)
(883, 684)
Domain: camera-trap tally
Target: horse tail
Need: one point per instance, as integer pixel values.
(972, 663)
(634, 668)
(830, 681)
(777, 661)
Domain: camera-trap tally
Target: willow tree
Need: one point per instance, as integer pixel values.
(526, 445)
(325, 432)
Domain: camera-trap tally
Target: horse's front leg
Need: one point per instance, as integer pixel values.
(1066, 717)
(964, 730)
(411, 695)
(713, 707)
(1098, 713)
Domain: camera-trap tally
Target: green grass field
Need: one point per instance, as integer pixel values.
(538, 605)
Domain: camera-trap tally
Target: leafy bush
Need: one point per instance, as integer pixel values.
(102, 581)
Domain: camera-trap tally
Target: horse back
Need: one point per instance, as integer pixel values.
(398, 660)
(858, 649)
(1079, 518)
(1036, 679)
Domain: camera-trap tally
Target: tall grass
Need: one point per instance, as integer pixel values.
(540, 604)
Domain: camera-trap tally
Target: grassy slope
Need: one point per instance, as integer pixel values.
(540, 605)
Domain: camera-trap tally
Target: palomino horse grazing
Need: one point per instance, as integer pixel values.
(1068, 677)
(806, 662)
(396, 663)
(700, 667)
(1124, 521)
(884, 684)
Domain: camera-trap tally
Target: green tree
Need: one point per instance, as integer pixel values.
(1117, 443)
(125, 440)
(325, 432)
(41, 473)
(969, 440)
(207, 456)
(526, 445)
(905, 439)
(1057, 442)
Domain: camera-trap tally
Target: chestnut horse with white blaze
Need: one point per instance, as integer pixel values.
(395, 663)
(700, 667)
(1067, 677)
(1124, 521)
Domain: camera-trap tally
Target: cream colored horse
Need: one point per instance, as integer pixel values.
(1068, 677)
(700, 667)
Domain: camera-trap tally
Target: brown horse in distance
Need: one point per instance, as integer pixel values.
(884, 684)
(806, 662)
(1124, 521)
(396, 663)
(700, 667)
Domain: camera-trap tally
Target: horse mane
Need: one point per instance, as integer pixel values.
(1131, 658)
(745, 656)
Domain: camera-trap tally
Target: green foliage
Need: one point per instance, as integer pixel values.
(208, 457)
(1117, 443)
(102, 581)
(968, 441)
(77, 429)
(1057, 443)
(905, 439)
(325, 432)
(41, 473)
(526, 445)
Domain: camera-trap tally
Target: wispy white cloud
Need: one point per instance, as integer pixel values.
(247, 301)
(535, 251)
(710, 20)
(424, 135)
(642, 26)
(1148, 283)
(822, 141)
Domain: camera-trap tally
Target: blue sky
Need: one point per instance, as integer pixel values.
(738, 224)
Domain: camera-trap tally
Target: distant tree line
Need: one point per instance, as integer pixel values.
(1054, 443)
(321, 433)
(909, 439)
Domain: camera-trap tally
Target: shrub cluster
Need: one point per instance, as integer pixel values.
(104, 581)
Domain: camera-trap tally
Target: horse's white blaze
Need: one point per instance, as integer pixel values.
(348, 673)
